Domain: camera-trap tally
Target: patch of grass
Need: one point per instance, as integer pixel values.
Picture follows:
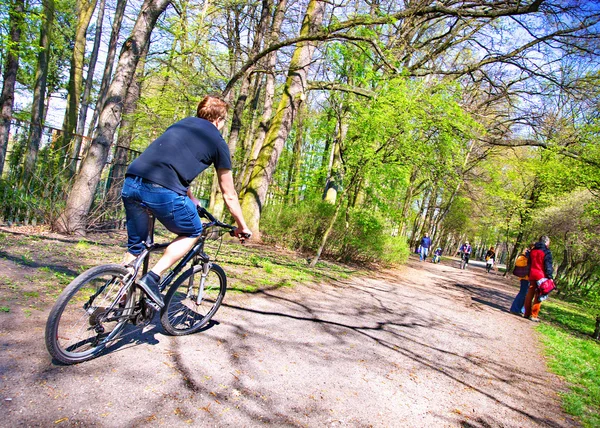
(26, 259)
(63, 278)
(82, 245)
(4, 309)
(577, 360)
(573, 317)
(575, 356)
(33, 294)
(9, 282)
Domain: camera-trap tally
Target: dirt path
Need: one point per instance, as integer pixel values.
(429, 345)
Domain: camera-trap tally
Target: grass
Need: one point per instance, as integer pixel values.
(575, 356)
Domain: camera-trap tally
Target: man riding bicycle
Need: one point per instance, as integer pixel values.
(465, 253)
(158, 182)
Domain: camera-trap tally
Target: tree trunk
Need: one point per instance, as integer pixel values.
(240, 104)
(120, 161)
(110, 60)
(257, 142)
(85, 98)
(596, 334)
(315, 259)
(293, 94)
(39, 91)
(410, 190)
(334, 170)
(292, 190)
(79, 202)
(85, 9)
(11, 66)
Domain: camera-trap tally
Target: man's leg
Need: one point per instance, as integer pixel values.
(528, 299)
(128, 258)
(174, 252)
(137, 219)
(535, 307)
(179, 215)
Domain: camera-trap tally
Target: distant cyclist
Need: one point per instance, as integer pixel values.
(437, 255)
(490, 259)
(465, 254)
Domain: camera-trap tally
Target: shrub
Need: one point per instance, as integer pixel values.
(363, 236)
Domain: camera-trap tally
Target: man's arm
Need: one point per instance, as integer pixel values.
(231, 200)
(195, 200)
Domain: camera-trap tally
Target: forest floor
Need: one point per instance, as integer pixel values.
(422, 345)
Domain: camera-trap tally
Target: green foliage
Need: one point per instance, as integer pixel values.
(365, 238)
(61, 44)
(459, 218)
(574, 230)
(297, 227)
(42, 198)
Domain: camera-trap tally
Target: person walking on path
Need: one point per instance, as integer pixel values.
(158, 181)
(425, 244)
(540, 266)
(465, 253)
(522, 271)
(490, 258)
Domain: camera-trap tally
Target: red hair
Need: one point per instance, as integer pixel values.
(212, 108)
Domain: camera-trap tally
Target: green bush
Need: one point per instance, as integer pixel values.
(362, 237)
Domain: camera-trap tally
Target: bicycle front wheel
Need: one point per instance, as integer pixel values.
(184, 311)
(82, 321)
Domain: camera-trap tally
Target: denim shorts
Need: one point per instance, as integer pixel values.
(176, 212)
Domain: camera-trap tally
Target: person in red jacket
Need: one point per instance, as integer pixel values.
(540, 266)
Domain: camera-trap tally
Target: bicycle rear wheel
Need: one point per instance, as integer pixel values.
(182, 313)
(81, 323)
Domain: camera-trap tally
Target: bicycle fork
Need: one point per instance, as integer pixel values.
(205, 269)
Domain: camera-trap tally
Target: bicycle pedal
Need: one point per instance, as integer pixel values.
(151, 303)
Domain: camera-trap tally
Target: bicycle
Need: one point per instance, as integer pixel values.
(95, 307)
(464, 260)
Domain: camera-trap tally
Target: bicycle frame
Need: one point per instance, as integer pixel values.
(196, 251)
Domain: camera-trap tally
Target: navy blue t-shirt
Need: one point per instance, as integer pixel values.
(185, 149)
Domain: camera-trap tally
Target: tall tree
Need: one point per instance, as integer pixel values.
(120, 161)
(85, 10)
(9, 77)
(79, 202)
(85, 97)
(294, 93)
(110, 60)
(39, 90)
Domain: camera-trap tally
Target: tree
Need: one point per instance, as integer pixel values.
(84, 9)
(9, 77)
(39, 91)
(89, 81)
(110, 59)
(293, 94)
(79, 202)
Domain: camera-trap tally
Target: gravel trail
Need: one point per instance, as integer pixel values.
(426, 345)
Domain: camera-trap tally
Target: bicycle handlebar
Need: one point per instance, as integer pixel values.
(214, 222)
(203, 212)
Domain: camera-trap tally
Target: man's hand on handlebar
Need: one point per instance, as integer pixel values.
(242, 233)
